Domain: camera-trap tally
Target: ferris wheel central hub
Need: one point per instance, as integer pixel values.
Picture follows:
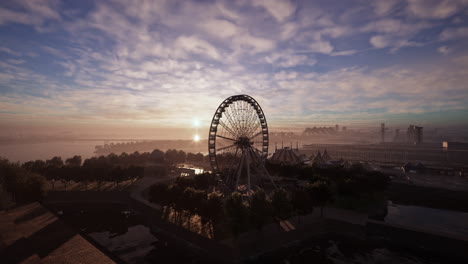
(243, 142)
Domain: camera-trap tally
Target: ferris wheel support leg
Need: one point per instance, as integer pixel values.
(266, 172)
(248, 171)
(231, 168)
(239, 171)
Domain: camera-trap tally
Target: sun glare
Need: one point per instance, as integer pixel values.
(196, 138)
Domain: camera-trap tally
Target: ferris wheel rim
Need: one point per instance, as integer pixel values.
(212, 137)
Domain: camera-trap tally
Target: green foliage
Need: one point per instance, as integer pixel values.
(204, 181)
(184, 182)
(23, 186)
(302, 202)
(158, 193)
(237, 212)
(173, 156)
(320, 193)
(281, 204)
(55, 162)
(261, 210)
(75, 161)
(213, 208)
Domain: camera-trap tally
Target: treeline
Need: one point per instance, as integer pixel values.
(109, 168)
(238, 213)
(354, 181)
(19, 184)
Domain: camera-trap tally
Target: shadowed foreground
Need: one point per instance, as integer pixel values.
(32, 234)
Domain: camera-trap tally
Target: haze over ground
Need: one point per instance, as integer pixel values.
(153, 67)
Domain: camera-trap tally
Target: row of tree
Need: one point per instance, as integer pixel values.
(169, 157)
(20, 184)
(240, 212)
(354, 181)
(111, 168)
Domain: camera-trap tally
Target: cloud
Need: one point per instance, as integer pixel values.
(289, 59)
(435, 9)
(157, 62)
(321, 46)
(30, 12)
(383, 7)
(196, 45)
(454, 33)
(10, 51)
(279, 9)
(387, 41)
(443, 50)
(219, 27)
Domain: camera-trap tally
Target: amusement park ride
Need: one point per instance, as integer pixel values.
(238, 144)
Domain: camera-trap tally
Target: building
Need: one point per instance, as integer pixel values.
(287, 156)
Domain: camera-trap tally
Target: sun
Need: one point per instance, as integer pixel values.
(196, 138)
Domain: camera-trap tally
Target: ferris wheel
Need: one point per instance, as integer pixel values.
(238, 144)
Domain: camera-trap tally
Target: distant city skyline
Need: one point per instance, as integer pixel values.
(117, 66)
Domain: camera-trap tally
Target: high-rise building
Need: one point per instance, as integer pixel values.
(418, 135)
(397, 135)
(414, 135)
(382, 132)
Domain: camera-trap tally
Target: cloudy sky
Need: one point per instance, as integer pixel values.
(164, 64)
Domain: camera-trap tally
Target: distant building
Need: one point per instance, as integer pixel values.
(397, 135)
(418, 135)
(326, 157)
(382, 132)
(317, 159)
(414, 135)
(287, 156)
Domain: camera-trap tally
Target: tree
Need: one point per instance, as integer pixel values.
(198, 157)
(181, 157)
(73, 162)
(281, 204)
(171, 156)
(188, 201)
(212, 209)
(214, 206)
(191, 157)
(320, 193)
(261, 209)
(22, 185)
(158, 193)
(204, 180)
(184, 182)
(55, 162)
(157, 156)
(113, 159)
(236, 211)
(302, 202)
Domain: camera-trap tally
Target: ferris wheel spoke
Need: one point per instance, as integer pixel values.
(256, 135)
(234, 128)
(227, 128)
(225, 137)
(227, 147)
(257, 150)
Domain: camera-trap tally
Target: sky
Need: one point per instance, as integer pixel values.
(165, 66)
